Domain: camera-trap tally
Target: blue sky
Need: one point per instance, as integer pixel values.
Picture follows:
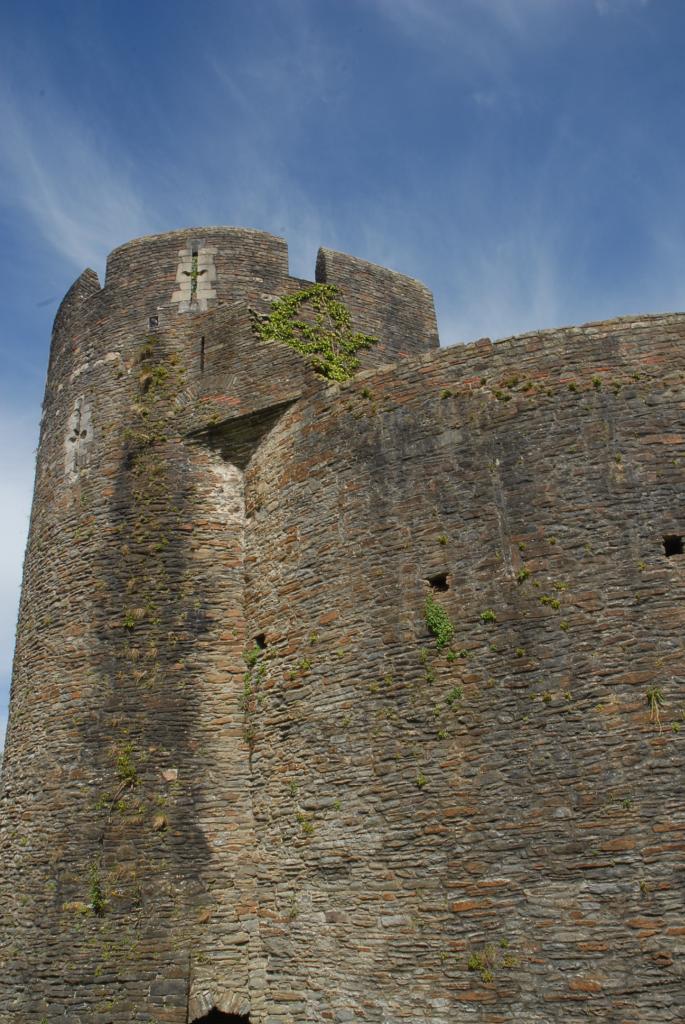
(524, 158)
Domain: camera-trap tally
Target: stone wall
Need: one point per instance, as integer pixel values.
(491, 831)
(396, 309)
(240, 772)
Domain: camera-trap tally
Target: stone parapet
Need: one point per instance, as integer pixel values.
(339, 702)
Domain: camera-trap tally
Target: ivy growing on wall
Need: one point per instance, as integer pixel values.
(438, 622)
(324, 337)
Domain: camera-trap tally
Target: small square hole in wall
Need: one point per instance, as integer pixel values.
(439, 582)
(673, 544)
(260, 641)
(153, 322)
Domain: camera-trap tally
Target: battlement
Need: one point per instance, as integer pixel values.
(154, 280)
(241, 256)
(334, 702)
(397, 309)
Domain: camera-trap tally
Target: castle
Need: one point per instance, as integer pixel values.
(339, 702)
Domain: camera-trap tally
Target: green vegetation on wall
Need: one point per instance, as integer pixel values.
(438, 622)
(325, 339)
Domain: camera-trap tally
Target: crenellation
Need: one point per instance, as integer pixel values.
(397, 309)
(344, 701)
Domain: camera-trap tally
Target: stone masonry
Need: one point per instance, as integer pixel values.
(243, 781)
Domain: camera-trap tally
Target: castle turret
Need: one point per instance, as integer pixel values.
(129, 856)
(340, 701)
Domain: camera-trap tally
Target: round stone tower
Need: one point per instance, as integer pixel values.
(339, 702)
(128, 850)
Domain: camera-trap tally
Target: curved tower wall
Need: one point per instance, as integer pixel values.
(127, 849)
(490, 831)
(353, 824)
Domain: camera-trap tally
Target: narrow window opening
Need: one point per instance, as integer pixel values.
(217, 1017)
(153, 322)
(202, 354)
(194, 273)
(439, 582)
(673, 544)
(260, 641)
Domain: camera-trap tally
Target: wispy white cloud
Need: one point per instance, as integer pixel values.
(483, 30)
(443, 19)
(275, 102)
(484, 98)
(55, 170)
(57, 173)
(447, 27)
(605, 7)
(511, 285)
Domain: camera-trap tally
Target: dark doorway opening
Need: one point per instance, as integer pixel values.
(217, 1017)
(673, 544)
